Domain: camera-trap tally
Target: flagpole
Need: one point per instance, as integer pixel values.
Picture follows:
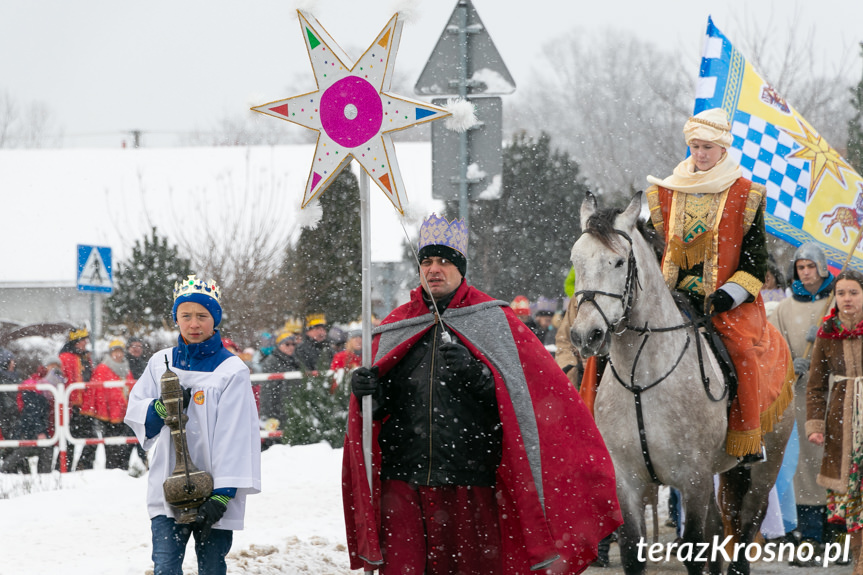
(365, 235)
(852, 250)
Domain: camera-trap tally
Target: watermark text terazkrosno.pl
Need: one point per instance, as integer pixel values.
(724, 550)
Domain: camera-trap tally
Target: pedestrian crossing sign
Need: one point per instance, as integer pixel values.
(94, 269)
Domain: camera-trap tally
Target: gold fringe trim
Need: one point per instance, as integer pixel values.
(688, 255)
(655, 209)
(754, 203)
(740, 443)
(711, 264)
(748, 282)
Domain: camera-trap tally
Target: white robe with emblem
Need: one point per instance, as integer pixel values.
(223, 432)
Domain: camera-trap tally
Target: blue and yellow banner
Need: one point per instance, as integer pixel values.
(813, 194)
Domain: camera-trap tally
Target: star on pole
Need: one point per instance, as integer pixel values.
(353, 110)
(823, 158)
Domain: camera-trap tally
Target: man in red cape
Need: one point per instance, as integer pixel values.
(437, 507)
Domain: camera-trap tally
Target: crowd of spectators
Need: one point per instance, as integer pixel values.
(312, 347)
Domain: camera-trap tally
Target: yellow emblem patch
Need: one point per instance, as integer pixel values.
(199, 397)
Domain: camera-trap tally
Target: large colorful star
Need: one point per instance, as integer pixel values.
(823, 158)
(353, 110)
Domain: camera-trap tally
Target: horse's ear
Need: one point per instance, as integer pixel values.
(628, 218)
(588, 208)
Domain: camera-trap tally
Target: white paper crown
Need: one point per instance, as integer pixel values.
(192, 285)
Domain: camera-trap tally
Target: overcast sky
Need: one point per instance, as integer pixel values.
(168, 67)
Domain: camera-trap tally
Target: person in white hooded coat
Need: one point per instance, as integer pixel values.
(222, 433)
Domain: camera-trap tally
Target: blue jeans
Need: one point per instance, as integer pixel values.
(169, 547)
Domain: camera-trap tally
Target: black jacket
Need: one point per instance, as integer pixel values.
(137, 365)
(33, 419)
(438, 429)
(315, 355)
(280, 362)
(8, 404)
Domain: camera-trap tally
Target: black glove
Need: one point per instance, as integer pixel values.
(719, 301)
(209, 513)
(364, 381)
(460, 362)
(187, 397)
(801, 365)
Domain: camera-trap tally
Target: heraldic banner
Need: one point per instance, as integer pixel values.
(813, 194)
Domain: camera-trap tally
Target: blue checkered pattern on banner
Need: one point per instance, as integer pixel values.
(720, 74)
(762, 151)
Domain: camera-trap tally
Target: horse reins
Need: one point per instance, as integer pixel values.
(628, 297)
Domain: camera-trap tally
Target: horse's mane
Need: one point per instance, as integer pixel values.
(601, 226)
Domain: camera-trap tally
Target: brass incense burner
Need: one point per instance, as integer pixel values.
(187, 487)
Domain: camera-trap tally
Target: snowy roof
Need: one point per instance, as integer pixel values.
(57, 199)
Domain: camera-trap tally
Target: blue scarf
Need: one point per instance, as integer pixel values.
(800, 293)
(205, 356)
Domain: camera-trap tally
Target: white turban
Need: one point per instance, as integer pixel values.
(711, 126)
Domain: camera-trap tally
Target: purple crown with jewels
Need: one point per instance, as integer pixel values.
(437, 231)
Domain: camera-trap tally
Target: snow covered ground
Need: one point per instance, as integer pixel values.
(95, 522)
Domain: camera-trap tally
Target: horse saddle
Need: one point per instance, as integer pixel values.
(705, 327)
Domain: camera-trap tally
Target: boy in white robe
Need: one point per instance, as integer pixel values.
(222, 433)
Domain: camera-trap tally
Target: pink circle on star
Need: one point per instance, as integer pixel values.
(351, 111)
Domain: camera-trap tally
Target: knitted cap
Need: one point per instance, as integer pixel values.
(520, 305)
(206, 293)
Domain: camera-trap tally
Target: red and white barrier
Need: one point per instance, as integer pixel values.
(57, 393)
(63, 437)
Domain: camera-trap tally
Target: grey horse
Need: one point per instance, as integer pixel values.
(626, 310)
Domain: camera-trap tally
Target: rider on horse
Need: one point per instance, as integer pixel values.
(712, 219)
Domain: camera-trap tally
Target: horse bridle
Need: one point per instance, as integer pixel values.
(627, 297)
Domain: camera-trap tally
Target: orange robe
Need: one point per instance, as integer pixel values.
(759, 353)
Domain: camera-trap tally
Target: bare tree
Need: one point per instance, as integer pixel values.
(618, 103)
(29, 126)
(240, 245)
(38, 129)
(233, 231)
(8, 119)
(786, 56)
(615, 102)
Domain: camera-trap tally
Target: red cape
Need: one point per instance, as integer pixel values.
(559, 529)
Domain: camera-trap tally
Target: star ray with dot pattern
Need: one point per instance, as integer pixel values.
(353, 110)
